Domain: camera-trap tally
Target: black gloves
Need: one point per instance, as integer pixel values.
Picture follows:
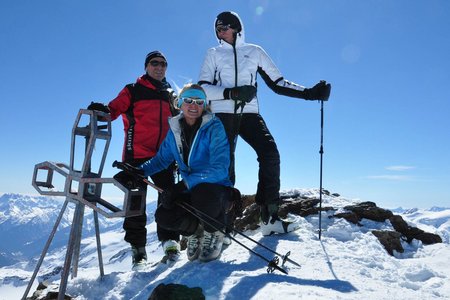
(320, 91)
(243, 93)
(129, 181)
(170, 195)
(98, 106)
(132, 170)
(131, 177)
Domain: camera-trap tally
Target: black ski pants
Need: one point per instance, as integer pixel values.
(135, 231)
(209, 198)
(253, 130)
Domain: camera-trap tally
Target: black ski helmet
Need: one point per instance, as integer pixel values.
(228, 18)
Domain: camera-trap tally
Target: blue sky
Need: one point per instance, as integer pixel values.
(386, 125)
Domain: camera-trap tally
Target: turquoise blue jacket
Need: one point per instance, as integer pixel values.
(209, 156)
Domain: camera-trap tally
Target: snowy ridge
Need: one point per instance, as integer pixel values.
(26, 222)
(348, 263)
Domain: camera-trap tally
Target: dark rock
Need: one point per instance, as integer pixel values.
(350, 217)
(411, 232)
(251, 213)
(428, 238)
(42, 285)
(174, 291)
(301, 207)
(369, 210)
(399, 224)
(42, 294)
(390, 240)
(249, 219)
(54, 296)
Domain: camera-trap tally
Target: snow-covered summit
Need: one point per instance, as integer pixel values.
(347, 263)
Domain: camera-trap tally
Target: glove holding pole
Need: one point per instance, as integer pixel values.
(243, 93)
(136, 173)
(320, 91)
(130, 176)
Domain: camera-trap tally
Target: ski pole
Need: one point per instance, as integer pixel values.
(285, 257)
(325, 96)
(321, 164)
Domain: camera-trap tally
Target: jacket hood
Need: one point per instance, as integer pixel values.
(240, 36)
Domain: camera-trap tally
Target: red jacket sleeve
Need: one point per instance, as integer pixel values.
(120, 104)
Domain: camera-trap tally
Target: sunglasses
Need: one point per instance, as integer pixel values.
(155, 63)
(221, 28)
(199, 102)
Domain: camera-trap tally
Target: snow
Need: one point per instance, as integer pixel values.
(347, 263)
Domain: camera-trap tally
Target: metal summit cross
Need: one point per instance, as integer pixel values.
(82, 185)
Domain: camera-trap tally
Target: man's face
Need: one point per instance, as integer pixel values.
(156, 68)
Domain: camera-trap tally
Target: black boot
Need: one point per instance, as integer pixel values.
(139, 257)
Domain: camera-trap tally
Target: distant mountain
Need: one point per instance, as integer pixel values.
(434, 218)
(26, 223)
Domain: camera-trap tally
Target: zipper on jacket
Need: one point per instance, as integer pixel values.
(192, 147)
(235, 64)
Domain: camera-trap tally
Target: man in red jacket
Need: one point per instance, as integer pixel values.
(145, 107)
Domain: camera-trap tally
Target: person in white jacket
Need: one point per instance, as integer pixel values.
(228, 76)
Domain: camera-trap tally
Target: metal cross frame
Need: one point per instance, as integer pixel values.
(83, 187)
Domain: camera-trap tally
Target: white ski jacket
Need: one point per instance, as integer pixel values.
(228, 66)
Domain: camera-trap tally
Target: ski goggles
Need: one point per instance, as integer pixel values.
(192, 96)
(155, 63)
(199, 102)
(221, 28)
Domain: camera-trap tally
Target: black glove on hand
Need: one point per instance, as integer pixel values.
(130, 169)
(98, 106)
(243, 93)
(128, 180)
(320, 91)
(170, 195)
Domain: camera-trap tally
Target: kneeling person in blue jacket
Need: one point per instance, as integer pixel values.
(198, 142)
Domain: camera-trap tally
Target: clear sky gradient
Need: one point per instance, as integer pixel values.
(386, 132)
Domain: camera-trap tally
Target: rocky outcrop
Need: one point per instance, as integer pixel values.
(302, 206)
(390, 240)
(298, 206)
(411, 233)
(366, 210)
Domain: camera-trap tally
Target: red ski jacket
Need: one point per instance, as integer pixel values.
(145, 108)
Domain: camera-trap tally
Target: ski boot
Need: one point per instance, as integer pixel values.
(139, 258)
(271, 223)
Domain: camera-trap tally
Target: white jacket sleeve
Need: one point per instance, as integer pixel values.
(207, 77)
(274, 80)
